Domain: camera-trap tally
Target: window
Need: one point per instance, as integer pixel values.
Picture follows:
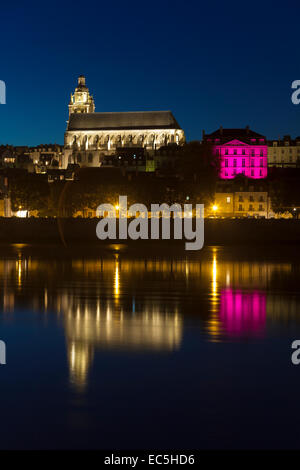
(260, 208)
(243, 162)
(240, 207)
(240, 198)
(261, 199)
(226, 162)
(250, 207)
(234, 162)
(226, 151)
(260, 173)
(261, 162)
(252, 172)
(261, 153)
(243, 152)
(252, 161)
(251, 199)
(235, 152)
(228, 199)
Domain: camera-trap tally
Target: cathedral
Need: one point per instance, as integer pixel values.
(91, 136)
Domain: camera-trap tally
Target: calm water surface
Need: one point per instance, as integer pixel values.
(114, 350)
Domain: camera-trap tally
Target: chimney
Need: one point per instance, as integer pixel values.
(221, 130)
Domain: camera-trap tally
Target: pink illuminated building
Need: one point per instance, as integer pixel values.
(240, 151)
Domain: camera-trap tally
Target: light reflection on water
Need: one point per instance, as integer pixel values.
(146, 310)
(141, 304)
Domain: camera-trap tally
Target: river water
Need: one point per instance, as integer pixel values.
(113, 350)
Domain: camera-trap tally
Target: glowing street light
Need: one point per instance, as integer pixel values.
(214, 208)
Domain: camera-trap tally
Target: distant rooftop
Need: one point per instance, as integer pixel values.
(225, 135)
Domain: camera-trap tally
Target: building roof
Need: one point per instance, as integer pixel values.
(241, 184)
(123, 121)
(285, 140)
(225, 135)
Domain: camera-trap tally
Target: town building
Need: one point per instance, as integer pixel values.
(284, 153)
(239, 152)
(242, 198)
(45, 156)
(91, 136)
(139, 160)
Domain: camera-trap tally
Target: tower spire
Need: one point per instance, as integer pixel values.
(81, 101)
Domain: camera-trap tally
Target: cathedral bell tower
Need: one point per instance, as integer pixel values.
(81, 101)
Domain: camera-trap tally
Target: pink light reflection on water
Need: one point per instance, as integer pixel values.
(243, 313)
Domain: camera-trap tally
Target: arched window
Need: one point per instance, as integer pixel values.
(79, 158)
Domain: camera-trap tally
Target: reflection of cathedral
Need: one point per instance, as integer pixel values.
(102, 304)
(91, 135)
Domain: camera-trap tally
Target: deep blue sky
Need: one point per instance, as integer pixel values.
(211, 63)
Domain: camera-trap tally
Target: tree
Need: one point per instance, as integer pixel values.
(29, 192)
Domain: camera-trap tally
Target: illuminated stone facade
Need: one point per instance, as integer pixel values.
(246, 198)
(284, 153)
(240, 152)
(90, 136)
(81, 101)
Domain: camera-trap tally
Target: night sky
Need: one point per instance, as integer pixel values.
(210, 63)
